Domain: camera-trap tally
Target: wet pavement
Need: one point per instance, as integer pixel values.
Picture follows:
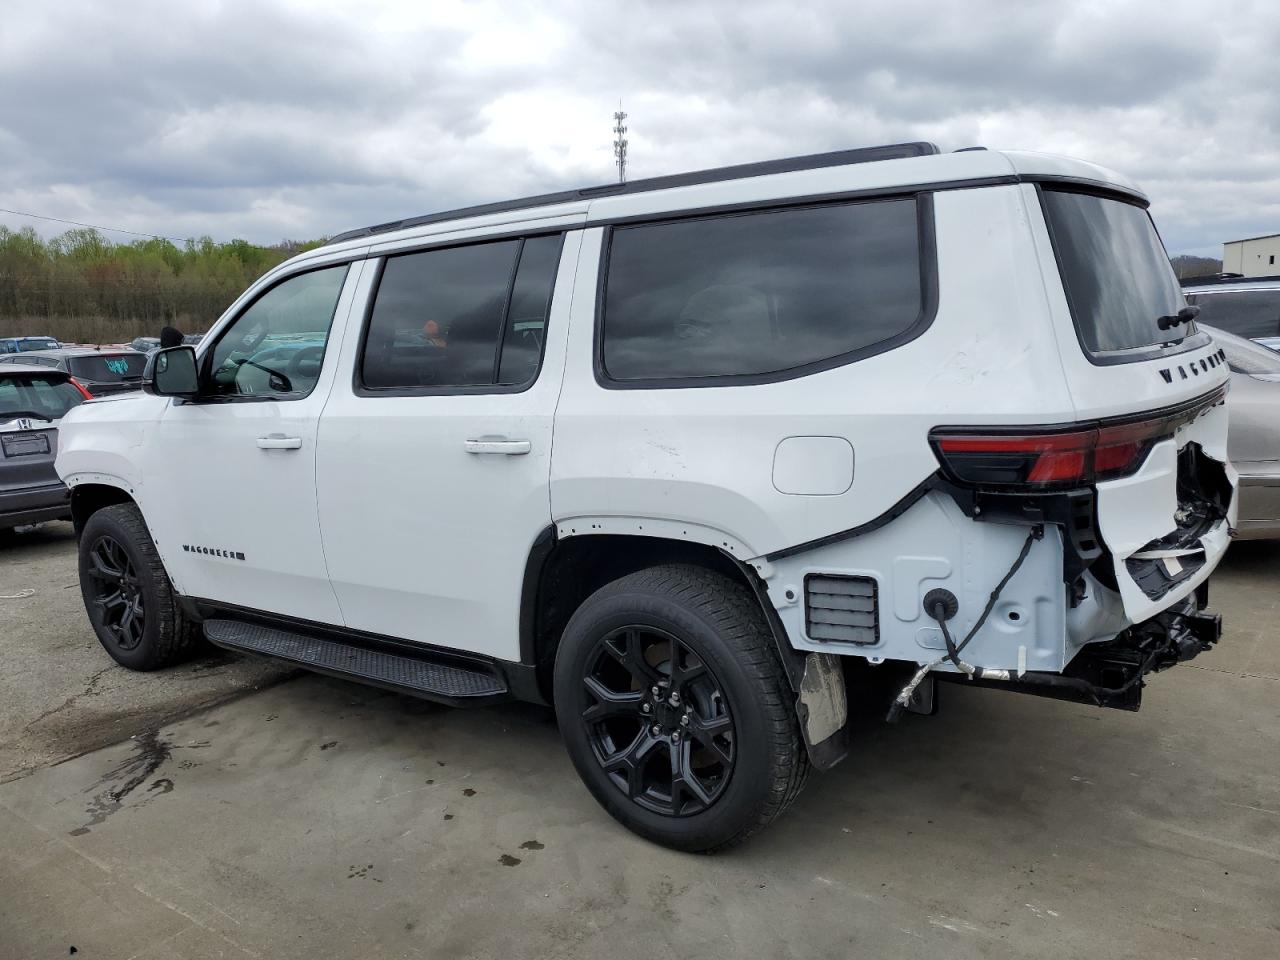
(316, 818)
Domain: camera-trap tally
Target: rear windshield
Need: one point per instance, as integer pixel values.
(33, 344)
(111, 368)
(1246, 313)
(36, 395)
(1116, 273)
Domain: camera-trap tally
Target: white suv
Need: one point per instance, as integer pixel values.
(700, 460)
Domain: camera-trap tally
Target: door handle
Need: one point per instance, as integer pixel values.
(278, 442)
(510, 448)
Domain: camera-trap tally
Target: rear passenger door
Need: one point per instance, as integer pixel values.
(434, 460)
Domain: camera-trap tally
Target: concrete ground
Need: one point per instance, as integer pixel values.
(320, 819)
(60, 694)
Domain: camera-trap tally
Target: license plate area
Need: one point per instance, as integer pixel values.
(24, 444)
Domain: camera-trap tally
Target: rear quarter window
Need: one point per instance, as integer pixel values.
(761, 295)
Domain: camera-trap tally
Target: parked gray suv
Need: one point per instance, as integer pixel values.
(33, 400)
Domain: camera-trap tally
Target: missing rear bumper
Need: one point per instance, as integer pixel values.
(1113, 674)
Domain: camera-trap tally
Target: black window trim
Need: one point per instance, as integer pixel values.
(1108, 358)
(926, 239)
(358, 386)
(206, 360)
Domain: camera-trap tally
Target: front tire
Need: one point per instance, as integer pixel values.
(131, 603)
(676, 711)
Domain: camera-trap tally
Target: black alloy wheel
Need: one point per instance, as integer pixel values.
(132, 606)
(117, 591)
(675, 709)
(659, 722)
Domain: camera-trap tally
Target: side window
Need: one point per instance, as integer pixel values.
(526, 323)
(470, 316)
(760, 293)
(276, 347)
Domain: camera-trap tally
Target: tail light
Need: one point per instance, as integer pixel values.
(84, 391)
(1056, 457)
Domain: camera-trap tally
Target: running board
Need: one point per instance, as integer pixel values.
(411, 674)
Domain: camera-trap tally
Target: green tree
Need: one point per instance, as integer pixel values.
(82, 287)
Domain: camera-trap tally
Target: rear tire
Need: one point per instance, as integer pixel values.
(717, 754)
(131, 603)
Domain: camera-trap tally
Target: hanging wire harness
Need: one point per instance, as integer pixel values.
(941, 606)
(1175, 635)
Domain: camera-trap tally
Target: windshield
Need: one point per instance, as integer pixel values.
(1115, 271)
(1246, 313)
(32, 343)
(109, 368)
(42, 395)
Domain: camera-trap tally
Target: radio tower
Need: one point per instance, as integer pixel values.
(620, 143)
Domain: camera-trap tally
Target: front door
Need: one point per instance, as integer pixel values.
(434, 464)
(231, 492)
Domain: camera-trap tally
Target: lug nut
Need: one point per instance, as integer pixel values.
(675, 737)
(654, 730)
(656, 692)
(675, 699)
(645, 708)
(684, 721)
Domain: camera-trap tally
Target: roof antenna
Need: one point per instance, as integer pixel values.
(620, 143)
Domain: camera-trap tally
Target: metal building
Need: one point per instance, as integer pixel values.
(1253, 256)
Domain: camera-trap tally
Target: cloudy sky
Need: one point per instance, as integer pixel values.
(275, 118)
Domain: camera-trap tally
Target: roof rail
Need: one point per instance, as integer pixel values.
(1215, 279)
(813, 161)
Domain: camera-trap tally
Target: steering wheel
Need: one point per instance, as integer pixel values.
(303, 357)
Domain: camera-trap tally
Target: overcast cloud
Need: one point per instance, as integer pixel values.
(276, 118)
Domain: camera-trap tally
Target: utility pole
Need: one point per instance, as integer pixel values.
(620, 143)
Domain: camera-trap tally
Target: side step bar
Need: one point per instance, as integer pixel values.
(402, 672)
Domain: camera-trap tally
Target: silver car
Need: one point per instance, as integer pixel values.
(1245, 306)
(1253, 439)
(33, 399)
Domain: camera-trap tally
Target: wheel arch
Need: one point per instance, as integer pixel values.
(564, 568)
(88, 497)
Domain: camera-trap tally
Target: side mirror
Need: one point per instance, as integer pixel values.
(172, 373)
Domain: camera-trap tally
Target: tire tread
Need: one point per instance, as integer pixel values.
(733, 612)
(176, 638)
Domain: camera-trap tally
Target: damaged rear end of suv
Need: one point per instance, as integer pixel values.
(1078, 548)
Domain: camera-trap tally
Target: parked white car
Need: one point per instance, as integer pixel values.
(674, 455)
